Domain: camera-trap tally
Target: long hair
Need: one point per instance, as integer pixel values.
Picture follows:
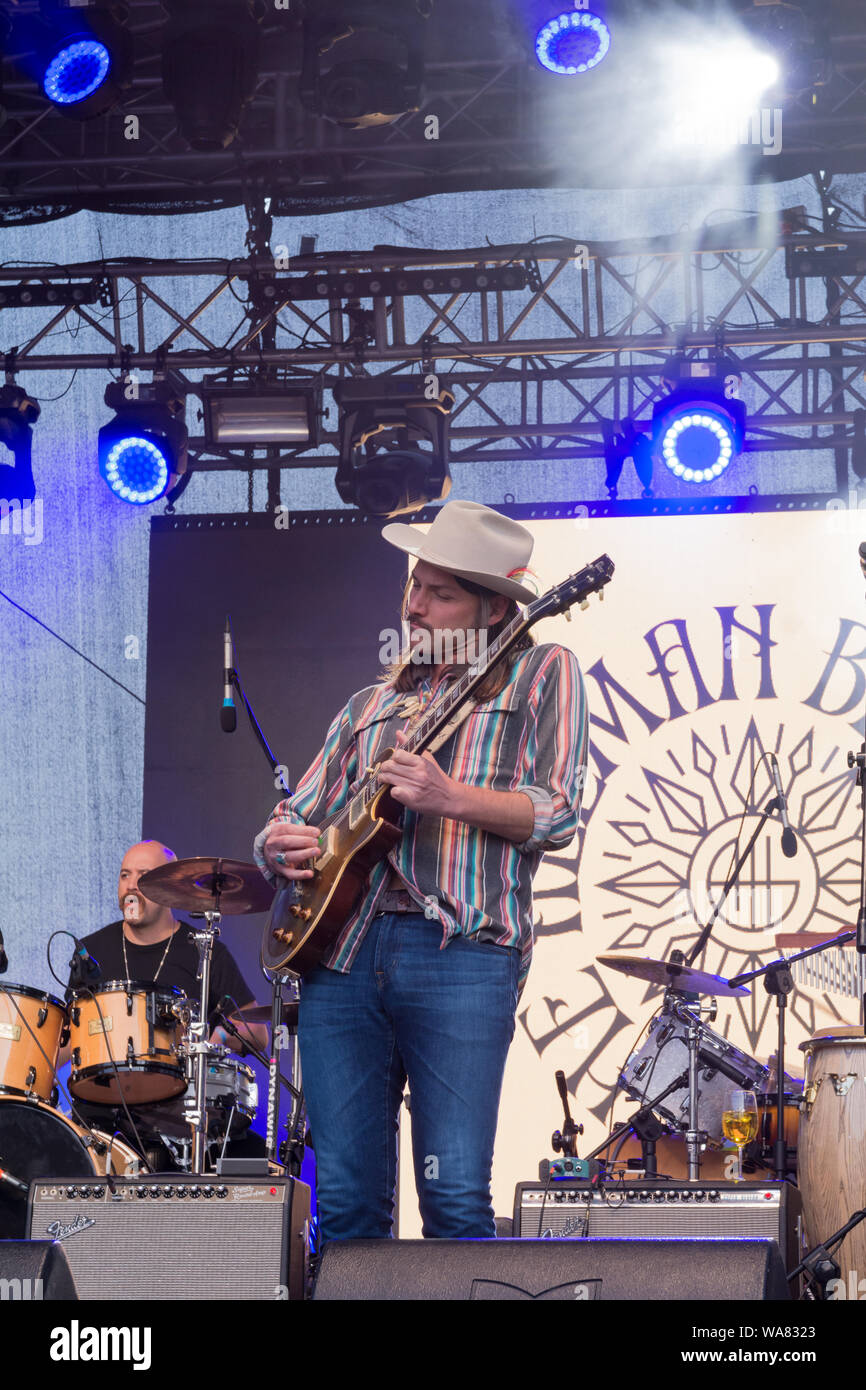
(405, 674)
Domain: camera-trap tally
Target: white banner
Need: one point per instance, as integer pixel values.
(720, 638)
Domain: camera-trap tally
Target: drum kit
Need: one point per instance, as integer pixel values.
(682, 1074)
(143, 1046)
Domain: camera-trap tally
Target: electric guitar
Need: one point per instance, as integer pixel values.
(307, 915)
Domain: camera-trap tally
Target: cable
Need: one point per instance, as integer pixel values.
(94, 664)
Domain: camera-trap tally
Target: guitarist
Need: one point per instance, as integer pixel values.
(424, 978)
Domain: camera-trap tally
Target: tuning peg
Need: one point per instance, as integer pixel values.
(584, 603)
(568, 615)
(601, 595)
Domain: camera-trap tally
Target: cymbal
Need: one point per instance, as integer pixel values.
(662, 972)
(261, 1013)
(193, 885)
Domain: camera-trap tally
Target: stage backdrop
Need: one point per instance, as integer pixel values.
(719, 638)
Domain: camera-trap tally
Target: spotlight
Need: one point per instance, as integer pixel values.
(573, 42)
(85, 59)
(698, 429)
(393, 444)
(363, 61)
(18, 412)
(797, 39)
(209, 67)
(142, 451)
(261, 414)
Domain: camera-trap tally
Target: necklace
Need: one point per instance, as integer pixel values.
(161, 963)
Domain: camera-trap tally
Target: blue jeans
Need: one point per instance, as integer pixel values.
(442, 1018)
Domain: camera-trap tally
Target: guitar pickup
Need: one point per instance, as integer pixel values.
(328, 844)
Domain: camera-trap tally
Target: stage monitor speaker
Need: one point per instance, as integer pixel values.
(176, 1236)
(572, 1270)
(34, 1271)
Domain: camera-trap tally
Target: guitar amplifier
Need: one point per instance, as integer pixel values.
(176, 1236)
(672, 1210)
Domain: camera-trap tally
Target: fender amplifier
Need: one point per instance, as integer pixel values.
(670, 1210)
(177, 1236)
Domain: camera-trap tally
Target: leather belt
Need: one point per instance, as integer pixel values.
(396, 899)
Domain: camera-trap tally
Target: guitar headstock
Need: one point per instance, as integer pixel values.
(576, 589)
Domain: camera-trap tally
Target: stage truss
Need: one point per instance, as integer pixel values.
(539, 371)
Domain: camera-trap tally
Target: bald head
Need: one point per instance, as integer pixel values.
(139, 911)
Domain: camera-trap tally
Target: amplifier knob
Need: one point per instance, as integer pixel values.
(222, 1192)
(645, 1196)
(98, 1192)
(155, 1190)
(181, 1193)
(658, 1196)
(631, 1196)
(141, 1192)
(207, 1191)
(687, 1196)
(168, 1190)
(714, 1197)
(195, 1192)
(72, 1191)
(84, 1193)
(700, 1195)
(673, 1196)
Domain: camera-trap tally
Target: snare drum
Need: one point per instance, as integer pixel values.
(38, 1142)
(31, 1035)
(832, 1148)
(665, 1055)
(125, 1037)
(231, 1100)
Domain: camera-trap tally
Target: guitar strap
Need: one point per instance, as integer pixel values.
(412, 706)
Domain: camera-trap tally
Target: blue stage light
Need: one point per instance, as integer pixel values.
(136, 469)
(76, 71)
(697, 444)
(573, 42)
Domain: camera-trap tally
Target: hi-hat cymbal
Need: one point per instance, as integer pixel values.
(663, 972)
(261, 1013)
(227, 886)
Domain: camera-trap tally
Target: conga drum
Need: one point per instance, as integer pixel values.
(832, 1141)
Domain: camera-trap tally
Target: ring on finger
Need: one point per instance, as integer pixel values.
(280, 858)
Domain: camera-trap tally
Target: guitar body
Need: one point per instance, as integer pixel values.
(307, 915)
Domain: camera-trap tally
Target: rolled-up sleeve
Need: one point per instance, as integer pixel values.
(552, 771)
(322, 791)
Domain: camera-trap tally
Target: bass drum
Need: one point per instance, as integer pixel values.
(37, 1142)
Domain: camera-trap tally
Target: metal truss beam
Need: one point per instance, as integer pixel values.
(538, 372)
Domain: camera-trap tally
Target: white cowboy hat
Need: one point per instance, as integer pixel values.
(475, 543)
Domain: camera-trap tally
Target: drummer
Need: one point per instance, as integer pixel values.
(150, 946)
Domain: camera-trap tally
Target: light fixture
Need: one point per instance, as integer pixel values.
(142, 451)
(796, 36)
(699, 427)
(363, 60)
(393, 444)
(258, 414)
(18, 413)
(84, 60)
(210, 63)
(572, 42)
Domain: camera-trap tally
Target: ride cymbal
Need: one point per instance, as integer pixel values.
(670, 976)
(228, 886)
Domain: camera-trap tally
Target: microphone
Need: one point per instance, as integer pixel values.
(83, 961)
(738, 1075)
(228, 713)
(789, 839)
(21, 1189)
(4, 959)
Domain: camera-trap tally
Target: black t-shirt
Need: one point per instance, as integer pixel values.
(179, 968)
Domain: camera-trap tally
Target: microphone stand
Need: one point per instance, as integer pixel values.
(704, 937)
(278, 979)
(779, 982)
(640, 1116)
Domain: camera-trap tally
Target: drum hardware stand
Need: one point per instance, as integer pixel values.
(199, 1048)
(818, 1263)
(645, 1112)
(779, 982)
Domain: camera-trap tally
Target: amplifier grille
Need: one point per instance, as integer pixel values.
(235, 1246)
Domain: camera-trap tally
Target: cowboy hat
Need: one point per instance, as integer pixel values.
(473, 542)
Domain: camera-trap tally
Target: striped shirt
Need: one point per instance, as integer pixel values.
(530, 738)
